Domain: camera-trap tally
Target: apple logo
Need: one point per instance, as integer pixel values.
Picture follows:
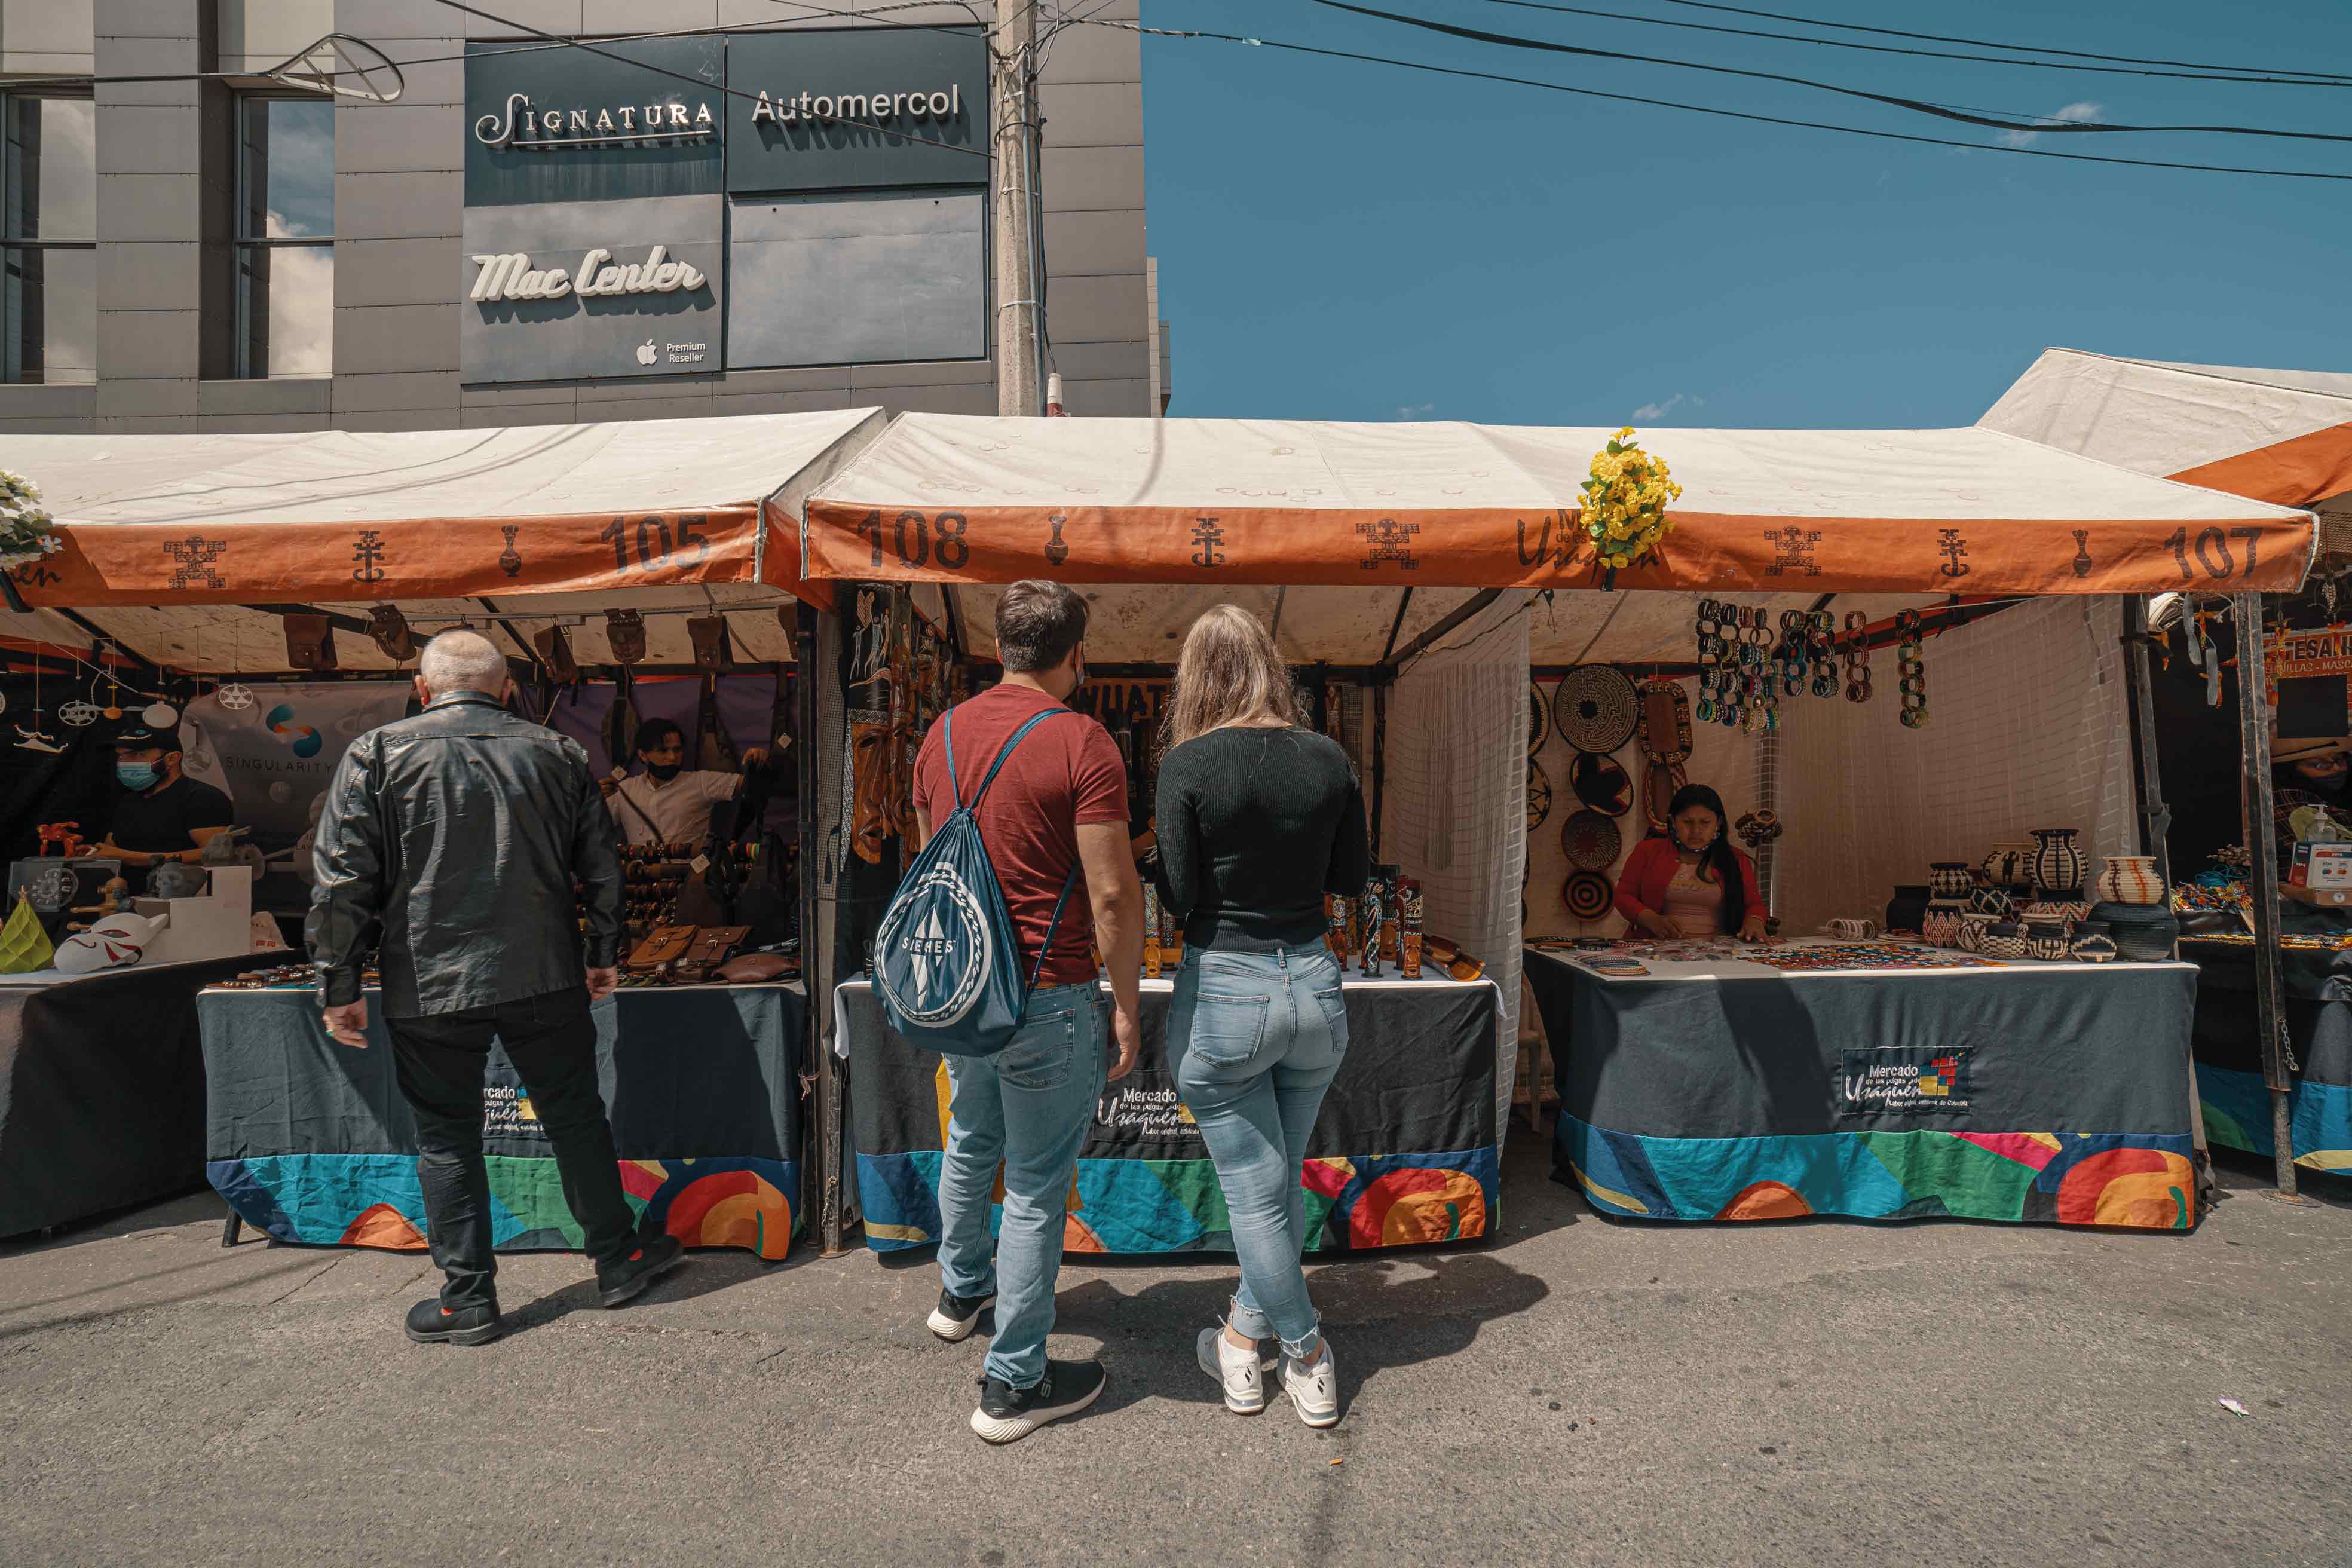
(646, 351)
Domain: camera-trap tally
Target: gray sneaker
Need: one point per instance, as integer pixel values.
(1238, 1372)
(1313, 1389)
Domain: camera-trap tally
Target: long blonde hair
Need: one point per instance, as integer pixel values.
(1229, 672)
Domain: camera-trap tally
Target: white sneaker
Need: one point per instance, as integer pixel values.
(1238, 1372)
(1313, 1389)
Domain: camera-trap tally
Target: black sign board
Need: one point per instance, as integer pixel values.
(550, 125)
(860, 108)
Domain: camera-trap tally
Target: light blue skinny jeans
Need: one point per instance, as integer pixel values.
(1257, 1038)
(1029, 1106)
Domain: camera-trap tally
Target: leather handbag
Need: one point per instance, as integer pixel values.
(663, 944)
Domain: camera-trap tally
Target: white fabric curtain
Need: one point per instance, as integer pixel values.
(2028, 726)
(1453, 815)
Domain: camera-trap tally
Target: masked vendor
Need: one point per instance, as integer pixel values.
(2309, 772)
(670, 802)
(159, 814)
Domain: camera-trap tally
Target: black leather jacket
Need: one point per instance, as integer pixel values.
(457, 833)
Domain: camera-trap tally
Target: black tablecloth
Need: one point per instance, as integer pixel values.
(311, 1142)
(1405, 1150)
(2318, 1007)
(101, 1091)
(2037, 1092)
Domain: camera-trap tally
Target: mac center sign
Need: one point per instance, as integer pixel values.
(598, 188)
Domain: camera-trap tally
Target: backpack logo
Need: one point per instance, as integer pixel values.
(947, 949)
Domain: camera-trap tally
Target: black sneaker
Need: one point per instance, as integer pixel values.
(627, 1279)
(954, 1318)
(431, 1324)
(1007, 1413)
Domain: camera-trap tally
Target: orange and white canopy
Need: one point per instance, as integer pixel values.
(167, 534)
(2278, 435)
(957, 498)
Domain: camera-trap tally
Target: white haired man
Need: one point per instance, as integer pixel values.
(454, 836)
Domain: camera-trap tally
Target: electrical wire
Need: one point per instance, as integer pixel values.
(1718, 113)
(1984, 42)
(1918, 106)
(2211, 73)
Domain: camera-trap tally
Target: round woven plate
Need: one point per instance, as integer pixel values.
(1587, 895)
(1601, 783)
(1538, 718)
(1595, 708)
(1590, 840)
(1539, 795)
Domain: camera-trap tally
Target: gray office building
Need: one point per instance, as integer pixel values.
(788, 211)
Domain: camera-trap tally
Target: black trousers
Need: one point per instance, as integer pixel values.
(440, 1059)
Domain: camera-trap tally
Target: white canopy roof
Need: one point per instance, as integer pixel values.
(1238, 502)
(2281, 436)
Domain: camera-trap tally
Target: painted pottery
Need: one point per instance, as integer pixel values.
(2058, 858)
(2143, 934)
(1971, 936)
(1991, 902)
(1949, 878)
(2046, 938)
(2004, 939)
(2055, 908)
(2008, 863)
(2130, 880)
(2091, 943)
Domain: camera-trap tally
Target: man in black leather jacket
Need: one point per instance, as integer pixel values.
(453, 839)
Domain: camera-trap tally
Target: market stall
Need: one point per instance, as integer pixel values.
(1430, 563)
(2268, 1071)
(272, 591)
(310, 1142)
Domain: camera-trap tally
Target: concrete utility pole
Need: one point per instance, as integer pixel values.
(1012, 113)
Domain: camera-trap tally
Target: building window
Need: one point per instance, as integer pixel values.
(285, 237)
(48, 231)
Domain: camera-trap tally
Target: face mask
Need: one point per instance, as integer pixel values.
(136, 776)
(664, 772)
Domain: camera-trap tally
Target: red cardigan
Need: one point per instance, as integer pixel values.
(1642, 884)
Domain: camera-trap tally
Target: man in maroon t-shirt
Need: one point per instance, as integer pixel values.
(1060, 802)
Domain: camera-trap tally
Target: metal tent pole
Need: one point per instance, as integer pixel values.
(2155, 821)
(2261, 881)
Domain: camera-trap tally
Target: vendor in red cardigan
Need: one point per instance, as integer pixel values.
(1693, 882)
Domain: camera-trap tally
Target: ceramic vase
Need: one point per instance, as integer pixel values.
(2008, 863)
(1950, 878)
(1971, 936)
(2057, 859)
(2130, 880)
(2004, 939)
(1908, 908)
(2046, 938)
(2091, 943)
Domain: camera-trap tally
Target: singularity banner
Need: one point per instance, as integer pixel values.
(273, 748)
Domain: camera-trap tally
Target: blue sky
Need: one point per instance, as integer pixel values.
(1347, 241)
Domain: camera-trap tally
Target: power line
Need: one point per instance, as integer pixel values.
(1918, 106)
(2214, 73)
(1719, 113)
(1988, 44)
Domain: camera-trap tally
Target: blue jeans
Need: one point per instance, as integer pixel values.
(1257, 1038)
(1029, 1106)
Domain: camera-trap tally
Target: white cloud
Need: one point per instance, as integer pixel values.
(1416, 410)
(301, 306)
(2073, 113)
(1679, 400)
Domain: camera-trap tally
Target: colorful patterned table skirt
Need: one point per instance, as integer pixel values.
(2237, 1116)
(2145, 1180)
(1419, 1075)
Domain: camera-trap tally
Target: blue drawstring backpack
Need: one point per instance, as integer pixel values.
(947, 961)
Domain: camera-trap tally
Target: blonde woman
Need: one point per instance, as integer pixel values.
(1257, 819)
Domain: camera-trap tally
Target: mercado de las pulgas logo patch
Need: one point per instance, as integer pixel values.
(1905, 1081)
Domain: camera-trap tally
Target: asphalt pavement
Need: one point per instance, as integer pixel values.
(1573, 1390)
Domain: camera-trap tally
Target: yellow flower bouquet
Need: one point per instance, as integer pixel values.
(1625, 500)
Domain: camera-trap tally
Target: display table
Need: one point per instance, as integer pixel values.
(1727, 1090)
(310, 1142)
(1406, 1149)
(2318, 983)
(101, 1090)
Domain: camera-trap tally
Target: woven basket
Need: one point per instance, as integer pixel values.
(2144, 933)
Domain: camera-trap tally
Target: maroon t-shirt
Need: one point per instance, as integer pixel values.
(1066, 774)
